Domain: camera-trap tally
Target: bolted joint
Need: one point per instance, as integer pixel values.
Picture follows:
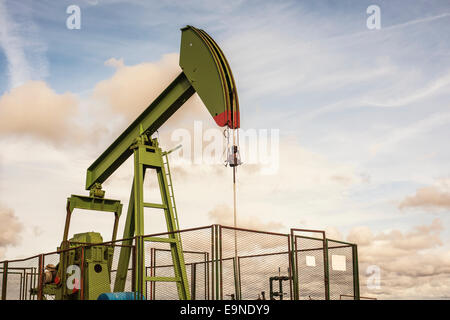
(96, 191)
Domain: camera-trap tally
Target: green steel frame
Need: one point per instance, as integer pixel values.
(91, 203)
(148, 155)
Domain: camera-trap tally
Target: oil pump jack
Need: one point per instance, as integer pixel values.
(205, 71)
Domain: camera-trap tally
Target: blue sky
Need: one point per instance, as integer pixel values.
(374, 102)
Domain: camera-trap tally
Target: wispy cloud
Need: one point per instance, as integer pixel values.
(13, 47)
(20, 43)
(429, 90)
(400, 134)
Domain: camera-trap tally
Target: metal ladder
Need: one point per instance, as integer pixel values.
(170, 185)
(174, 238)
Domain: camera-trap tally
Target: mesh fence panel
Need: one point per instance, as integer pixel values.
(340, 259)
(117, 247)
(209, 255)
(197, 250)
(228, 279)
(22, 279)
(48, 292)
(310, 268)
(14, 288)
(256, 272)
(199, 280)
(261, 256)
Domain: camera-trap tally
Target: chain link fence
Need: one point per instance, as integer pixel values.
(19, 278)
(341, 273)
(260, 256)
(221, 263)
(197, 252)
(311, 268)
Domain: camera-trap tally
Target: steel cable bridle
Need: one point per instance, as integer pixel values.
(235, 148)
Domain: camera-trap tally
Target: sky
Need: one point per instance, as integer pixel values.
(363, 119)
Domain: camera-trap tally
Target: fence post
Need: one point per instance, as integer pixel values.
(212, 261)
(220, 261)
(294, 265)
(239, 297)
(5, 279)
(40, 277)
(133, 268)
(355, 272)
(326, 269)
(140, 266)
(236, 282)
(290, 267)
(217, 263)
(193, 280)
(82, 274)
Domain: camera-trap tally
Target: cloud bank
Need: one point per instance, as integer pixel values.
(430, 198)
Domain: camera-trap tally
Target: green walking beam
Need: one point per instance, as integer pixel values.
(205, 71)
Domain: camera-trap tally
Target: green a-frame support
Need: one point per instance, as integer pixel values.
(148, 155)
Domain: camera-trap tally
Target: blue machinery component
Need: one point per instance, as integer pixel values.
(120, 296)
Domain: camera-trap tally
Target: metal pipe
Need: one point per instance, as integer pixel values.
(327, 269)
(355, 272)
(41, 276)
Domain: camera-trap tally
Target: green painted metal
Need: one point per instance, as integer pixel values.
(205, 71)
(148, 155)
(93, 282)
(125, 252)
(170, 188)
(161, 109)
(95, 204)
(95, 261)
(208, 70)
